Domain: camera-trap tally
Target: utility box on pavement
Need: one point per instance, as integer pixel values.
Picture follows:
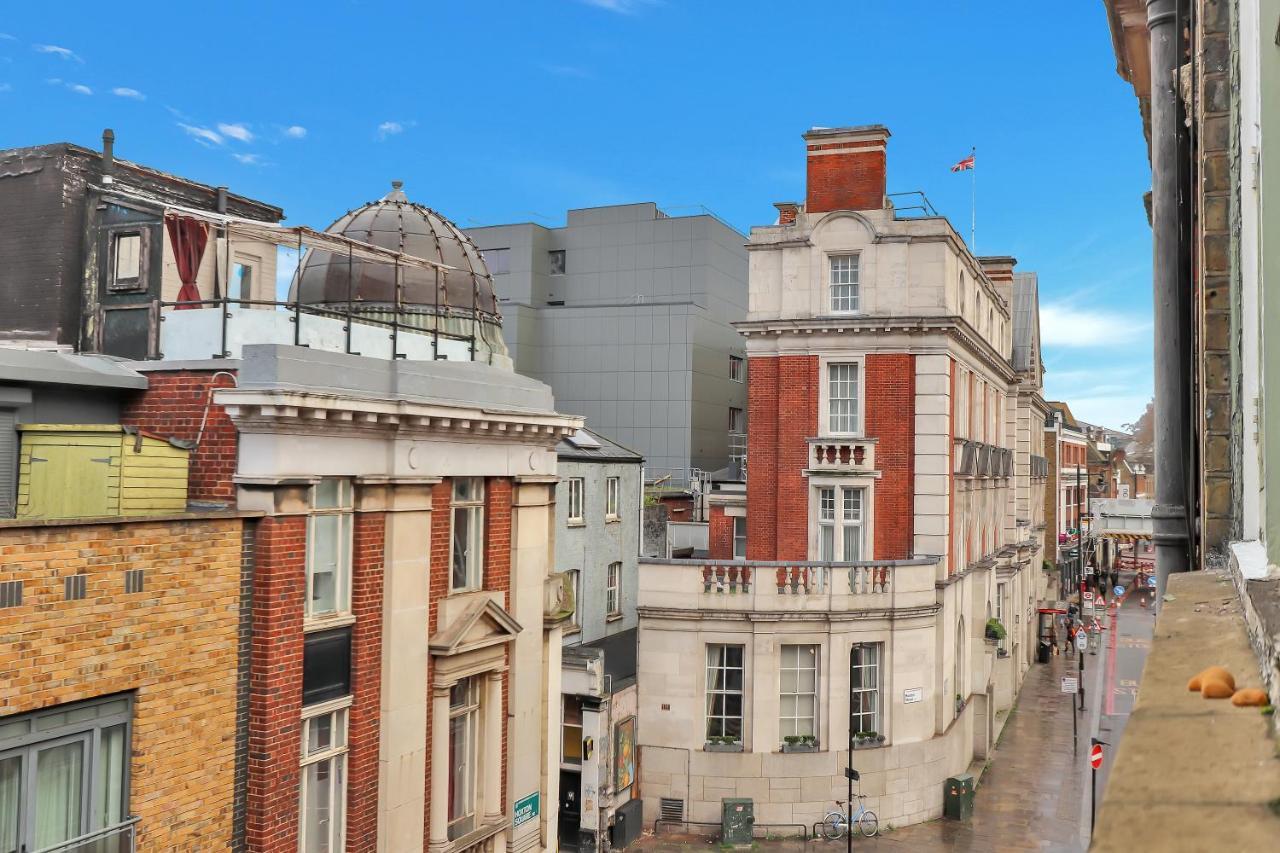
(957, 797)
(737, 818)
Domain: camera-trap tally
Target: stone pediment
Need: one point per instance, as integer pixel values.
(481, 625)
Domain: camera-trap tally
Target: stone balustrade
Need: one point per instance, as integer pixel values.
(842, 454)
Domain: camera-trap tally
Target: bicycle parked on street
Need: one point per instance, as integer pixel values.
(836, 823)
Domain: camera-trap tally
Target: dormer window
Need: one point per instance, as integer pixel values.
(843, 281)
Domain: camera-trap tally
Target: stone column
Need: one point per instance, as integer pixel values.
(439, 767)
(493, 746)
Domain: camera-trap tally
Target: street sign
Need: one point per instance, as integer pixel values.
(1070, 684)
(1082, 640)
(526, 809)
(1119, 591)
(851, 774)
(1087, 595)
(1088, 570)
(1151, 581)
(1095, 756)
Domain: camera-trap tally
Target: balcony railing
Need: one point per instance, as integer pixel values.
(1039, 468)
(976, 459)
(848, 455)
(786, 586)
(116, 839)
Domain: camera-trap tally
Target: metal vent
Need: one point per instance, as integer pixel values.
(10, 593)
(669, 809)
(133, 580)
(73, 587)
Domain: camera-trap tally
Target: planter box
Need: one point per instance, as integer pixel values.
(722, 747)
(870, 744)
(800, 747)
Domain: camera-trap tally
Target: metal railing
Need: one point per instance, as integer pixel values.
(115, 839)
(921, 204)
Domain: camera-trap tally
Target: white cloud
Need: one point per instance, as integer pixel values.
(248, 159)
(53, 81)
(237, 131)
(389, 128)
(7, 37)
(80, 88)
(203, 135)
(1064, 325)
(60, 52)
(126, 92)
(620, 7)
(5, 87)
(295, 131)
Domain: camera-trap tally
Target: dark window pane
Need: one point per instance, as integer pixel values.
(326, 666)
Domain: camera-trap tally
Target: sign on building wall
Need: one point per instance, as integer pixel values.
(526, 809)
(912, 694)
(624, 755)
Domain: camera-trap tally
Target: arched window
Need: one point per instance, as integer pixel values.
(959, 673)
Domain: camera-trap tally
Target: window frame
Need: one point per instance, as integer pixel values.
(567, 700)
(491, 255)
(709, 692)
(88, 732)
(563, 266)
(839, 520)
(575, 579)
(612, 498)
(578, 485)
(613, 589)
(474, 558)
(854, 297)
(796, 718)
(344, 511)
(737, 419)
(461, 825)
(254, 265)
(876, 714)
(737, 368)
(339, 712)
(140, 282)
(739, 521)
(824, 396)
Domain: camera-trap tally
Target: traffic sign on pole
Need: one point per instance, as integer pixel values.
(1095, 756)
(1119, 591)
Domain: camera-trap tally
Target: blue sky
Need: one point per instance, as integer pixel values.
(500, 111)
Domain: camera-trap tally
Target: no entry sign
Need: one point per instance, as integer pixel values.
(1095, 756)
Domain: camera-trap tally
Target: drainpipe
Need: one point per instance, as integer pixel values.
(1169, 514)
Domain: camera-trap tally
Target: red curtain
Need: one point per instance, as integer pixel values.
(189, 237)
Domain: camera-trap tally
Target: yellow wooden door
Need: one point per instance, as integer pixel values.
(69, 481)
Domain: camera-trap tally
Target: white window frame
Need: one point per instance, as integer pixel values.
(828, 511)
(338, 710)
(713, 729)
(575, 579)
(739, 536)
(613, 589)
(876, 668)
(475, 553)
(575, 493)
(824, 396)
(797, 723)
(254, 264)
(612, 493)
(344, 511)
(464, 823)
(850, 301)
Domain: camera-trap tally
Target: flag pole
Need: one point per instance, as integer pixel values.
(973, 200)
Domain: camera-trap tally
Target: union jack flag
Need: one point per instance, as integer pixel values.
(963, 165)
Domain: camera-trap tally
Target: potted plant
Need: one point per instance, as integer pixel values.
(723, 743)
(867, 740)
(799, 743)
(959, 704)
(995, 631)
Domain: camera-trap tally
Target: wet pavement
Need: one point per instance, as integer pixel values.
(1035, 794)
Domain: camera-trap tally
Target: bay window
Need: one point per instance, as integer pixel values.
(329, 549)
(467, 552)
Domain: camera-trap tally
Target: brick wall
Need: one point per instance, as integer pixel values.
(783, 402)
(890, 414)
(275, 702)
(1051, 498)
(719, 534)
(368, 543)
(174, 645)
(172, 407)
(853, 181)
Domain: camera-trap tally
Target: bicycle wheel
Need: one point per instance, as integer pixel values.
(833, 826)
(869, 824)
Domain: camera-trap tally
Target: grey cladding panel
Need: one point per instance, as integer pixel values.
(8, 461)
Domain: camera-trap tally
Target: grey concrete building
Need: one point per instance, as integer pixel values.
(627, 314)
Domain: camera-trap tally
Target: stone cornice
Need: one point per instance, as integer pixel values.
(954, 326)
(301, 411)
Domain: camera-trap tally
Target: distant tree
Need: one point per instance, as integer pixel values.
(1143, 446)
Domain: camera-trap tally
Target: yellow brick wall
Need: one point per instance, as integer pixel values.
(174, 644)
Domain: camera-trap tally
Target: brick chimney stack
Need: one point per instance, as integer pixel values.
(846, 168)
(787, 211)
(999, 268)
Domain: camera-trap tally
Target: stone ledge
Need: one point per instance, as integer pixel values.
(1184, 757)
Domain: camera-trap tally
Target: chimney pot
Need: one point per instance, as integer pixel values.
(108, 154)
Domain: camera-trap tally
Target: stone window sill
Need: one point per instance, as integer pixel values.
(324, 623)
